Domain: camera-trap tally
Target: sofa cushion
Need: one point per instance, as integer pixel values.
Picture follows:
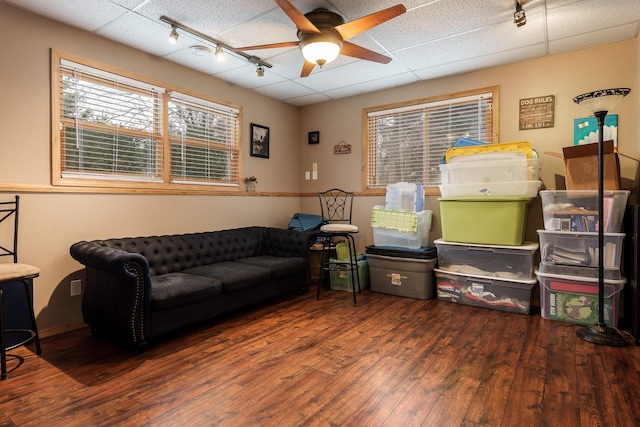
(233, 275)
(279, 266)
(173, 290)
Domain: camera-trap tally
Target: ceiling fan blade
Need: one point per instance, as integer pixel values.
(360, 25)
(306, 68)
(301, 21)
(355, 51)
(269, 46)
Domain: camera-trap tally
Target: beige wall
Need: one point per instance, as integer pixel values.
(564, 76)
(51, 220)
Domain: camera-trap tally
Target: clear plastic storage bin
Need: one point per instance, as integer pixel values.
(575, 299)
(572, 270)
(502, 147)
(577, 210)
(507, 262)
(340, 275)
(580, 249)
(492, 167)
(488, 292)
(400, 228)
(508, 188)
(405, 196)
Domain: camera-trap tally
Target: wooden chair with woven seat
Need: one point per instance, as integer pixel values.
(10, 274)
(336, 206)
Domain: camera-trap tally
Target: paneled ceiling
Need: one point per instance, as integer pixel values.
(434, 38)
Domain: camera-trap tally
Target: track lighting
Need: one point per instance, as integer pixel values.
(219, 53)
(222, 49)
(519, 18)
(173, 37)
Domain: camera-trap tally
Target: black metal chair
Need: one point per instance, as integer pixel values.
(11, 273)
(336, 206)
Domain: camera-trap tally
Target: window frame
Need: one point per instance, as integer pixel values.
(164, 182)
(440, 100)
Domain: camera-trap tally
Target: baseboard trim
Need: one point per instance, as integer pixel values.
(49, 332)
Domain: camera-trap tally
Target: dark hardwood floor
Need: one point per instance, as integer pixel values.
(388, 361)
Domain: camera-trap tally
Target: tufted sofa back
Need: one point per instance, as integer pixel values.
(174, 253)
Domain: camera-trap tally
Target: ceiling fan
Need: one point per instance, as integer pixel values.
(323, 35)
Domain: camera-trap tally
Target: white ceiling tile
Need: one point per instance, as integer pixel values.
(441, 19)
(479, 63)
(246, 76)
(307, 99)
(285, 89)
(149, 36)
(207, 63)
(131, 4)
(208, 17)
(78, 13)
(373, 85)
(482, 42)
(589, 16)
(434, 38)
(350, 74)
(593, 38)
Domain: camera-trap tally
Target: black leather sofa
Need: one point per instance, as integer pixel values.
(139, 288)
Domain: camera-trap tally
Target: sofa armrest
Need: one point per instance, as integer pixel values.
(288, 243)
(117, 293)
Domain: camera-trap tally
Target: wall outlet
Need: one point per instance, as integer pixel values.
(76, 288)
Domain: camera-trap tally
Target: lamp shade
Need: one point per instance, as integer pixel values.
(601, 100)
(320, 52)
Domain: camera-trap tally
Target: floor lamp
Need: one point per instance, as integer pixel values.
(599, 103)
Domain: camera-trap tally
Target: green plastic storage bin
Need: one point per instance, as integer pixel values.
(484, 220)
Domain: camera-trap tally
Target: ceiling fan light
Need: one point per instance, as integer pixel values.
(321, 52)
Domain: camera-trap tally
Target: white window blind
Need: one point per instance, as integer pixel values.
(204, 141)
(406, 144)
(110, 126)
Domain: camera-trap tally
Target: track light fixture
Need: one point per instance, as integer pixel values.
(219, 53)
(519, 18)
(221, 48)
(173, 37)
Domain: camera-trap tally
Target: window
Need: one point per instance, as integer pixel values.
(112, 132)
(405, 143)
(203, 141)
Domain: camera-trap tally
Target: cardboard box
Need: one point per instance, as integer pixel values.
(581, 167)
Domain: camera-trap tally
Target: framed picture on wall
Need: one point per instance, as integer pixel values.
(259, 141)
(314, 137)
